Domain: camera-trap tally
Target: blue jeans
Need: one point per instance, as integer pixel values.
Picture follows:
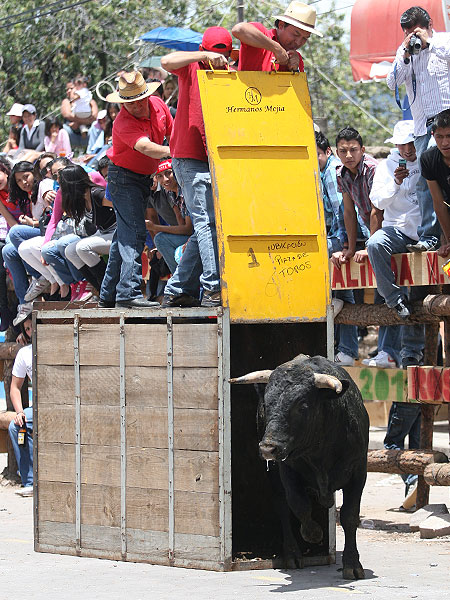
(76, 139)
(17, 267)
(129, 192)
(53, 253)
(381, 246)
(167, 243)
(347, 335)
(404, 419)
(194, 178)
(24, 454)
(429, 230)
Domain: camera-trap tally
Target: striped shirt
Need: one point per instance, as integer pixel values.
(359, 188)
(432, 69)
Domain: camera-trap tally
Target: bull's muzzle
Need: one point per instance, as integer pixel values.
(271, 450)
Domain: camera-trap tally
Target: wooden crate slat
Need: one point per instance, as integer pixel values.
(54, 378)
(55, 344)
(56, 501)
(56, 425)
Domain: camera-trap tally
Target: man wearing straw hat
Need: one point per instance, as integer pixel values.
(138, 134)
(260, 47)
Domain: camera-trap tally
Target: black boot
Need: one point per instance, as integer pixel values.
(98, 272)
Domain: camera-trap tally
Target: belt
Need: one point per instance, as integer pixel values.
(430, 121)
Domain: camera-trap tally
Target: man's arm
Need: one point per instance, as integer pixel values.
(250, 35)
(350, 225)
(178, 60)
(376, 219)
(149, 148)
(16, 399)
(441, 211)
(399, 71)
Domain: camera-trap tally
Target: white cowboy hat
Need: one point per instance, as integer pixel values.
(300, 15)
(132, 87)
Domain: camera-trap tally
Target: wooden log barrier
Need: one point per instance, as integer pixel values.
(380, 314)
(437, 474)
(403, 461)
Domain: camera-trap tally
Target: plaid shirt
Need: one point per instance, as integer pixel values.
(359, 188)
(334, 206)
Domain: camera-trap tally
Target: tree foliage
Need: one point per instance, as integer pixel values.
(99, 37)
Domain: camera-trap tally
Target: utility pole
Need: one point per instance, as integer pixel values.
(240, 10)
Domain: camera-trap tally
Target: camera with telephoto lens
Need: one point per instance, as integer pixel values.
(415, 45)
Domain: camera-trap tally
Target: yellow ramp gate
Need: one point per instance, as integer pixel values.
(269, 214)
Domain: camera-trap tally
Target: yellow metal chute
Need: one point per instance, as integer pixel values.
(269, 214)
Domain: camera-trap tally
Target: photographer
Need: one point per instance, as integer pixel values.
(422, 63)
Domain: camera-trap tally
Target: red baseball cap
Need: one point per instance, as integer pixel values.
(217, 36)
(164, 165)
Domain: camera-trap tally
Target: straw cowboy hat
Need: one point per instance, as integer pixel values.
(132, 87)
(300, 15)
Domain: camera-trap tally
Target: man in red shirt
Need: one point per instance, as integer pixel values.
(199, 263)
(138, 134)
(260, 47)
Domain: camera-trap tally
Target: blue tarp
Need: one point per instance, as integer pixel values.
(173, 37)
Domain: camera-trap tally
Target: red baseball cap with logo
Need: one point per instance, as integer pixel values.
(164, 165)
(217, 38)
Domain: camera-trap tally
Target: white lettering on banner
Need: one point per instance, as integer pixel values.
(409, 269)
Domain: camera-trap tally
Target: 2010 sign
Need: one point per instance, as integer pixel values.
(382, 385)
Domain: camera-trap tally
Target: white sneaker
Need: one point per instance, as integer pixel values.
(337, 304)
(25, 491)
(382, 361)
(344, 360)
(23, 310)
(36, 288)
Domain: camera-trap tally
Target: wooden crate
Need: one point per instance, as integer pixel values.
(133, 437)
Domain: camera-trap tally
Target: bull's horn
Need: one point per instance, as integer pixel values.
(255, 377)
(327, 381)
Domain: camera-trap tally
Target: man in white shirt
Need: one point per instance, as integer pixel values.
(427, 79)
(394, 192)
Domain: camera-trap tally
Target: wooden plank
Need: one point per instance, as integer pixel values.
(149, 545)
(194, 345)
(56, 424)
(192, 387)
(429, 384)
(197, 513)
(100, 425)
(55, 344)
(3, 441)
(194, 471)
(194, 513)
(383, 385)
(99, 344)
(195, 429)
(197, 547)
(56, 384)
(378, 413)
(56, 534)
(56, 501)
(147, 509)
(415, 268)
(56, 462)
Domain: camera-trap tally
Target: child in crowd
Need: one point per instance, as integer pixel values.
(80, 99)
(56, 138)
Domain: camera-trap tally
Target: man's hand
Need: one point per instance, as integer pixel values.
(341, 257)
(360, 256)
(215, 59)
(400, 174)
(423, 35)
(444, 250)
(20, 419)
(294, 60)
(281, 56)
(150, 225)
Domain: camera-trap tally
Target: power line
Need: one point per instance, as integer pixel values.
(44, 14)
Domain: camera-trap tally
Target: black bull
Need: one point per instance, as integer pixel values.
(314, 425)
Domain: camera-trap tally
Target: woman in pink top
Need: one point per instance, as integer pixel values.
(56, 138)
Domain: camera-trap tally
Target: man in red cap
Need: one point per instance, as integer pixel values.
(261, 47)
(199, 264)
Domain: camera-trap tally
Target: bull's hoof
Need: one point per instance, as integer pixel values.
(353, 573)
(311, 532)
